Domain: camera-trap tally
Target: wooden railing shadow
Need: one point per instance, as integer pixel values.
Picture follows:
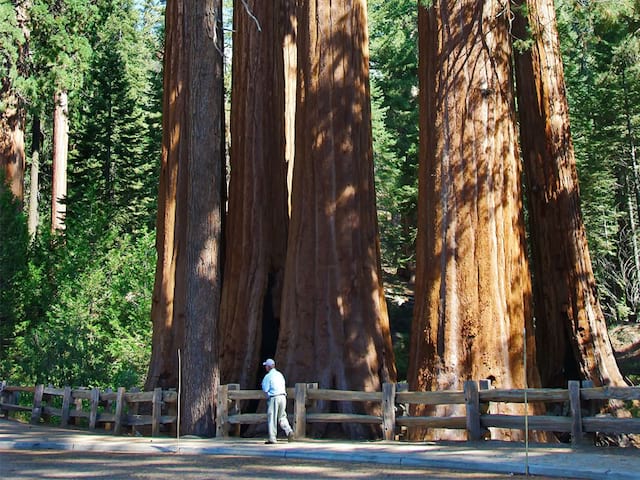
(583, 405)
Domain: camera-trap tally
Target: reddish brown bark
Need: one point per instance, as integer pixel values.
(256, 234)
(186, 297)
(571, 332)
(12, 155)
(335, 328)
(12, 117)
(472, 280)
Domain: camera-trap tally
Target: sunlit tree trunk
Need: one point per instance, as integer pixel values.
(34, 183)
(187, 289)
(289, 24)
(570, 328)
(473, 293)
(256, 234)
(59, 166)
(167, 308)
(335, 328)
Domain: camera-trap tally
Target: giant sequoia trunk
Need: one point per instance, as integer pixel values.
(472, 281)
(256, 234)
(335, 328)
(59, 166)
(186, 293)
(571, 333)
(12, 115)
(12, 155)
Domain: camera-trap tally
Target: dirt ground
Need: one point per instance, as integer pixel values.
(47, 464)
(625, 340)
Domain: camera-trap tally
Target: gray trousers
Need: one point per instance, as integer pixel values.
(277, 415)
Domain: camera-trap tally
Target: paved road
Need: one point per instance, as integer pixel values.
(47, 464)
(26, 447)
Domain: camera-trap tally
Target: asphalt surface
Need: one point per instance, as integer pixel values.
(22, 444)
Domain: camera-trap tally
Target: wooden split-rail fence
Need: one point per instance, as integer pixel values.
(106, 409)
(118, 411)
(583, 406)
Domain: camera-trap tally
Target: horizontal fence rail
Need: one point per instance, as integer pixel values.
(477, 397)
(106, 409)
(121, 409)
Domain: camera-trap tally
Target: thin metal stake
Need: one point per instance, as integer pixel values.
(526, 409)
(179, 389)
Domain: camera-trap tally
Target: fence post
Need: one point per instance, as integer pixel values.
(300, 411)
(591, 408)
(235, 408)
(93, 413)
(156, 411)
(389, 410)
(66, 404)
(117, 427)
(472, 403)
(4, 398)
(222, 417)
(172, 410)
(577, 435)
(37, 404)
(133, 410)
(77, 402)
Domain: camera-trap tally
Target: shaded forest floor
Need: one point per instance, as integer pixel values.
(625, 338)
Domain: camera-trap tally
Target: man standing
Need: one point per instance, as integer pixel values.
(273, 385)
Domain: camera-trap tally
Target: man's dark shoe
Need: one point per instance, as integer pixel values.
(290, 437)
(269, 442)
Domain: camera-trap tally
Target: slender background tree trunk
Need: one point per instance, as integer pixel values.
(59, 168)
(34, 183)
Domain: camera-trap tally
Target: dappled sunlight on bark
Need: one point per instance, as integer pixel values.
(472, 281)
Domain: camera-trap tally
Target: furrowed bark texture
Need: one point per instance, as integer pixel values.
(571, 333)
(256, 235)
(335, 328)
(188, 278)
(167, 308)
(472, 281)
(12, 155)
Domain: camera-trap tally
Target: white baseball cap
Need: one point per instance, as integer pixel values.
(269, 362)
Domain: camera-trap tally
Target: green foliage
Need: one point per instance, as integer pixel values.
(59, 43)
(87, 320)
(75, 308)
(11, 37)
(394, 80)
(13, 266)
(114, 166)
(600, 49)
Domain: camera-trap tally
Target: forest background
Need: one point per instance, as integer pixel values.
(75, 308)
